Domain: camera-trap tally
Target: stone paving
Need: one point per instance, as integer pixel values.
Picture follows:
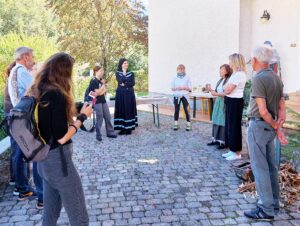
(156, 177)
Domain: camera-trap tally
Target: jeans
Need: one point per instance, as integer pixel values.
(20, 169)
(264, 166)
(13, 148)
(38, 181)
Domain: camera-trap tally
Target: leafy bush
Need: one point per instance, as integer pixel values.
(247, 91)
(43, 48)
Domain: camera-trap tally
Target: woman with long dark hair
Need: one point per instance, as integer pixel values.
(125, 118)
(218, 115)
(52, 88)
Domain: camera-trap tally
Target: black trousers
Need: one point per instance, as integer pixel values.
(185, 104)
(233, 123)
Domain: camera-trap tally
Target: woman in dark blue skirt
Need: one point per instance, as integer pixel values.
(125, 105)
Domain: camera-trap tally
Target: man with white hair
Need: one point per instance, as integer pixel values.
(266, 115)
(18, 83)
(275, 62)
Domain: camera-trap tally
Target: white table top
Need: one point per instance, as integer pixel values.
(152, 100)
(147, 100)
(201, 94)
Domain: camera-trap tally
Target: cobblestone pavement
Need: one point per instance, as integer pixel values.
(156, 177)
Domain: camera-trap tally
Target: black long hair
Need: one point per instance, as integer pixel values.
(121, 61)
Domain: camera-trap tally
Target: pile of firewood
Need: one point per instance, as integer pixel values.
(289, 180)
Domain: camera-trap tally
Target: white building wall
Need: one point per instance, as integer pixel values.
(200, 34)
(246, 28)
(282, 30)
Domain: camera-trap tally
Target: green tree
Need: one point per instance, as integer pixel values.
(100, 31)
(26, 17)
(43, 48)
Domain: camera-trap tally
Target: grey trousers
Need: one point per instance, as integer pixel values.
(60, 190)
(264, 165)
(102, 111)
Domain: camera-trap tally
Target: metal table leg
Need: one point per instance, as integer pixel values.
(194, 110)
(211, 102)
(155, 106)
(158, 124)
(153, 111)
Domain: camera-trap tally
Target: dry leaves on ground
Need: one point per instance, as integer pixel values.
(289, 180)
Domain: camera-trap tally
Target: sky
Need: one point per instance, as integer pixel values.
(146, 5)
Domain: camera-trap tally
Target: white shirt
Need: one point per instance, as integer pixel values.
(24, 80)
(238, 79)
(184, 81)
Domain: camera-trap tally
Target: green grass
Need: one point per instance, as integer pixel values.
(144, 93)
(292, 150)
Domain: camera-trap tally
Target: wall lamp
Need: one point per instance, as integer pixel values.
(265, 17)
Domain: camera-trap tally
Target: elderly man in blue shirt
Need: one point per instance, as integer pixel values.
(19, 82)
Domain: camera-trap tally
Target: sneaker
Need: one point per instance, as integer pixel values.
(188, 127)
(234, 156)
(24, 196)
(212, 143)
(16, 191)
(39, 205)
(258, 214)
(227, 154)
(112, 136)
(175, 127)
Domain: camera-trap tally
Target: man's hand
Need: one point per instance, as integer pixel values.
(281, 137)
(281, 114)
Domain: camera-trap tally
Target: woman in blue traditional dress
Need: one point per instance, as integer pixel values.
(218, 115)
(125, 118)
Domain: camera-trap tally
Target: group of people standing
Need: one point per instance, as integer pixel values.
(125, 116)
(228, 109)
(52, 88)
(20, 77)
(51, 85)
(266, 115)
(228, 106)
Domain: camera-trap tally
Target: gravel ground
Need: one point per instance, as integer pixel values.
(156, 176)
